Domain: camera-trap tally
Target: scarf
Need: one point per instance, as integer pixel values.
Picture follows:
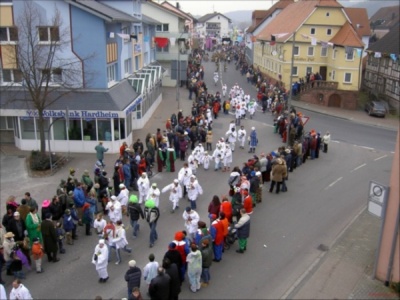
(35, 218)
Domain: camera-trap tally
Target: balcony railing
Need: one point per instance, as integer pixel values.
(319, 84)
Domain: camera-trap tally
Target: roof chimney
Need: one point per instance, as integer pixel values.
(177, 5)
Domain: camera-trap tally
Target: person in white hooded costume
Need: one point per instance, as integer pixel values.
(100, 260)
(175, 193)
(143, 184)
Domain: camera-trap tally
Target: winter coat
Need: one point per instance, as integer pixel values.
(18, 228)
(243, 227)
(151, 214)
(135, 211)
(68, 222)
(100, 150)
(194, 260)
(207, 256)
(159, 288)
(174, 257)
(253, 139)
(120, 240)
(49, 236)
(279, 171)
(133, 277)
(79, 197)
(175, 284)
(217, 232)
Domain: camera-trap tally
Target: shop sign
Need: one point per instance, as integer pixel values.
(73, 114)
(132, 107)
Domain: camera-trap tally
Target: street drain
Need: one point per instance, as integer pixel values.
(323, 247)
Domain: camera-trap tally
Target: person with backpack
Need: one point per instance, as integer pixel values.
(152, 213)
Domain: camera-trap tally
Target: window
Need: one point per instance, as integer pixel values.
(27, 128)
(128, 66)
(49, 34)
(60, 130)
(329, 31)
(334, 54)
(308, 70)
(162, 28)
(6, 123)
(55, 75)
(89, 129)
(104, 129)
(324, 51)
(312, 31)
(327, 14)
(112, 73)
(9, 75)
(75, 130)
(294, 71)
(347, 77)
(350, 55)
(126, 30)
(296, 50)
(119, 128)
(165, 49)
(8, 34)
(333, 75)
(310, 51)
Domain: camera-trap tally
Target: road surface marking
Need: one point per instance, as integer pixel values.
(368, 148)
(333, 183)
(383, 156)
(359, 167)
(335, 142)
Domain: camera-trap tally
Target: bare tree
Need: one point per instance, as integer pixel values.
(47, 72)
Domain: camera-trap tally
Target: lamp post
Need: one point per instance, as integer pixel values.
(290, 87)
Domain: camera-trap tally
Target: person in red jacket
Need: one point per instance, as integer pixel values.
(183, 248)
(226, 208)
(216, 109)
(248, 202)
(122, 149)
(217, 233)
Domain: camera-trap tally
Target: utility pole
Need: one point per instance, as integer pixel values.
(290, 87)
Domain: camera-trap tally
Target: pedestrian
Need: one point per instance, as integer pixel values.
(191, 218)
(50, 241)
(3, 294)
(37, 254)
(87, 218)
(87, 181)
(194, 261)
(23, 209)
(114, 209)
(99, 225)
(207, 258)
(243, 230)
(69, 226)
(143, 184)
(135, 212)
(184, 177)
(160, 286)
(253, 140)
(17, 227)
(247, 201)
(214, 207)
(136, 295)
(150, 269)
(209, 140)
(217, 234)
(19, 291)
(241, 136)
(218, 156)
(154, 194)
(227, 160)
(120, 241)
(133, 277)
(206, 160)
(100, 150)
(226, 208)
(8, 245)
(175, 284)
(231, 136)
(279, 172)
(32, 224)
(100, 260)
(152, 213)
(30, 201)
(326, 140)
(175, 257)
(175, 194)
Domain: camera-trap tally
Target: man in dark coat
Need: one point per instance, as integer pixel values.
(50, 238)
(132, 277)
(160, 286)
(17, 226)
(175, 283)
(173, 255)
(243, 230)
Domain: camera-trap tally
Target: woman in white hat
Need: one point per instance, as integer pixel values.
(100, 260)
(175, 193)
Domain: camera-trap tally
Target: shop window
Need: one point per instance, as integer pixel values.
(27, 128)
(119, 128)
(75, 130)
(129, 122)
(104, 129)
(89, 129)
(60, 130)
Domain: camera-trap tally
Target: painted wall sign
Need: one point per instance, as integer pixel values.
(73, 114)
(133, 105)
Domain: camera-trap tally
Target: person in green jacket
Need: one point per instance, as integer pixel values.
(207, 256)
(33, 223)
(100, 150)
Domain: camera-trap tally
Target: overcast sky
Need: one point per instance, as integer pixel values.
(202, 7)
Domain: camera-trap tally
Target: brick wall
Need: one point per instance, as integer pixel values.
(337, 98)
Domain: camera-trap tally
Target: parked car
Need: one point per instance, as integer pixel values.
(375, 108)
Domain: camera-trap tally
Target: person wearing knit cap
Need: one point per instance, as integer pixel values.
(151, 214)
(183, 247)
(175, 193)
(135, 212)
(100, 260)
(133, 277)
(173, 255)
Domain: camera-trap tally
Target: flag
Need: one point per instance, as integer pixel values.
(313, 41)
(378, 55)
(110, 35)
(172, 41)
(146, 39)
(304, 36)
(331, 44)
(124, 36)
(324, 44)
(393, 56)
(161, 41)
(279, 35)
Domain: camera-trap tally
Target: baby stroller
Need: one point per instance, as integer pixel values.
(231, 237)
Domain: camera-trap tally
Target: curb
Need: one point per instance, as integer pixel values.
(293, 290)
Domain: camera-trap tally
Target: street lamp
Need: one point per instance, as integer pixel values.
(290, 87)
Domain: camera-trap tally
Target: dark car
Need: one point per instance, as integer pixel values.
(375, 108)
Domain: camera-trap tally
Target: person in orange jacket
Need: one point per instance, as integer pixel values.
(248, 202)
(217, 233)
(226, 208)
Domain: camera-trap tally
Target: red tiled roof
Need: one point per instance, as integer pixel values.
(347, 36)
(359, 19)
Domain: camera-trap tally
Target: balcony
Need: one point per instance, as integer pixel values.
(320, 84)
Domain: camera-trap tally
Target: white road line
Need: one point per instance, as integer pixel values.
(359, 167)
(335, 141)
(383, 156)
(368, 148)
(333, 183)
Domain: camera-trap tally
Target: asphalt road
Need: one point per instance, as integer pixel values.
(323, 196)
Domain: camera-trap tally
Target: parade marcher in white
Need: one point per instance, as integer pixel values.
(100, 260)
(194, 189)
(238, 114)
(198, 153)
(123, 198)
(99, 225)
(216, 77)
(209, 116)
(19, 291)
(154, 194)
(184, 177)
(251, 107)
(193, 163)
(114, 209)
(206, 160)
(231, 137)
(227, 159)
(143, 184)
(218, 156)
(175, 194)
(3, 294)
(191, 218)
(224, 89)
(120, 241)
(242, 136)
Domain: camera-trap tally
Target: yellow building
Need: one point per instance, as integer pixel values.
(326, 44)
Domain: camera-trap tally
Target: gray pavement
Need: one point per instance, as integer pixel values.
(343, 271)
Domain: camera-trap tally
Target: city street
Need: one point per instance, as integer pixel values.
(323, 196)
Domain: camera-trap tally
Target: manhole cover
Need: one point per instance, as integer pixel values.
(323, 247)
